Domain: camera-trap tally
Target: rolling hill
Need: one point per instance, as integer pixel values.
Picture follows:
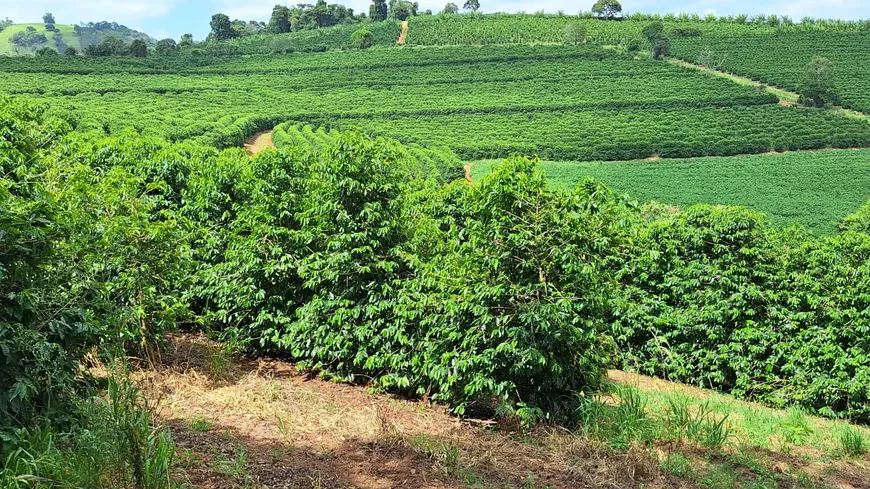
(67, 36)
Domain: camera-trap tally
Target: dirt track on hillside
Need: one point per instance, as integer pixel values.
(404, 33)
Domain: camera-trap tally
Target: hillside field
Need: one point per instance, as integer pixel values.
(8, 49)
(516, 252)
(68, 38)
(813, 189)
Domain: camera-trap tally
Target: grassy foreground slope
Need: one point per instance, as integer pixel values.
(814, 189)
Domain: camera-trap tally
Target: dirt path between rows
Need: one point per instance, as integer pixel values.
(404, 34)
(259, 142)
(468, 173)
(260, 423)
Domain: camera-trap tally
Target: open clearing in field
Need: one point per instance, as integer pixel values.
(261, 423)
(259, 142)
(811, 188)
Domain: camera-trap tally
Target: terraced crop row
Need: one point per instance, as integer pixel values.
(560, 102)
(626, 135)
(495, 29)
(782, 60)
(434, 160)
(334, 60)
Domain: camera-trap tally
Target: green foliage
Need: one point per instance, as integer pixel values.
(715, 297)
(575, 33)
(91, 256)
(853, 443)
(813, 189)
(622, 108)
(437, 162)
(607, 9)
(112, 443)
(317, 40)
(362, 38)
(612, 134)
(661, 48)
(472, 5)
(782, 59)
(858, 221)
(138, 48)
(818, 88)
(28, 38)
(352, 262)
(507, 285)
(222, 28)
(109, 46)
(378, 11)
(164, 47)
(41, 337)
(653, 31)
(46, 52)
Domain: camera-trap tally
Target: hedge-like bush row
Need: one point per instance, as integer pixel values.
(504, 295)
(441, 163)
(716, 297)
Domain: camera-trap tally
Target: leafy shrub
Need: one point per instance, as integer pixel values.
(41, 340)
(715, 297)
(509, 292)
(685, 32)
(858, 221)
(362, 38)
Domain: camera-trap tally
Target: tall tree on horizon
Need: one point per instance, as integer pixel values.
(222, 28)
(378, 11)
(280, 21)
(607, 9)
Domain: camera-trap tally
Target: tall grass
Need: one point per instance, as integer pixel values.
(113, 444)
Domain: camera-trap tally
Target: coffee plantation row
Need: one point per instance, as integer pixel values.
(330, 61)
(355, 260)
(782, 60)
(305, 137)
(560, 102)
(627, 134)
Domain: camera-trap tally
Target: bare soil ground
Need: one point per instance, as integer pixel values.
(261, 423)
(259, 142)
(404, 34)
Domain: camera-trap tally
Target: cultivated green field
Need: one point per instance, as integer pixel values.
(813, 189)
(137, 236)
(558, 102)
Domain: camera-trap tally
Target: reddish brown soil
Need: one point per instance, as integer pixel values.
(259, 142)
(404, 34)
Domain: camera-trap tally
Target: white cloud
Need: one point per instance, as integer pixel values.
(249, 9)
(843, 9)
(73, 11)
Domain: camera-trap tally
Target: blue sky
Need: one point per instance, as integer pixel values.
(171, 18)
